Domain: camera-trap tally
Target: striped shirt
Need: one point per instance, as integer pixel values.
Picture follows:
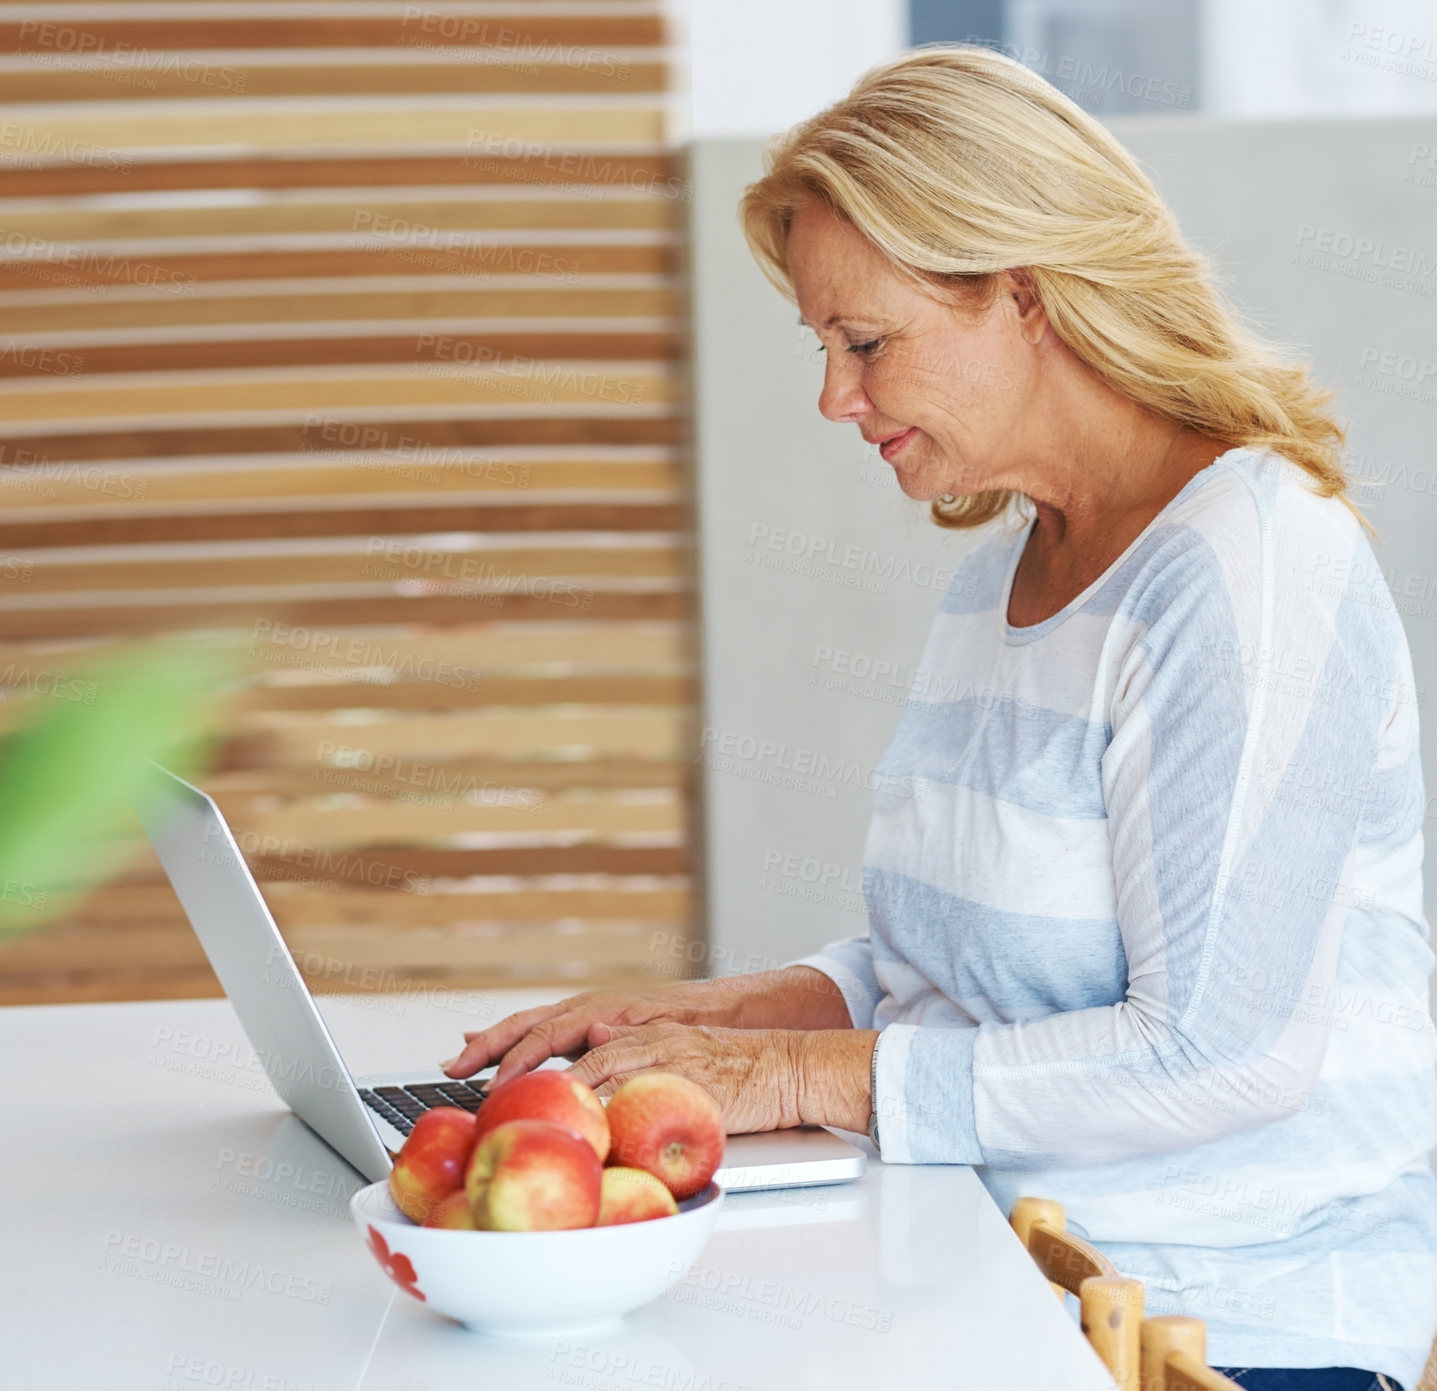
(1144, 887)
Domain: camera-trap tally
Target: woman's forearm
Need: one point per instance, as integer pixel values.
(794, 997)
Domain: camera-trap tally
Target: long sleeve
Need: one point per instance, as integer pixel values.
(849, 965)
(1238, 670)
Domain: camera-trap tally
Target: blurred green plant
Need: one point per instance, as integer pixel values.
(75, 768)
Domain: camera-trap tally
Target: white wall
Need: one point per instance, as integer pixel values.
(1317, 57)
(760, 66)
(788, 799)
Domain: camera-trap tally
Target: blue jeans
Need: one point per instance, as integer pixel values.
(1306, 1379)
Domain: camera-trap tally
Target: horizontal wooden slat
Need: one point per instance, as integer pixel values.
(218, 74)
(326, 777)
(306, 301)
(406, 437)
(352, 927)
(374, 124)
(58, 982)
(327, 669)
(613, 387)
(397, 781)
(447, 862)
(106, 947)
(99, 264)
(560, 857)
(496, 690)
(363, 520)
(459, 990)
(515, 28)
(334, 957)
(163, 218)
(337, 6)
(28, 357)
(377, 561)
(165, 615)
(49, 171)
(438, 815)
(602, 945)
(654, 732)
(405, 911)
(512, 647)
(47, 492)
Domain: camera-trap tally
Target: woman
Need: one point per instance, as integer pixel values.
(1151, 941)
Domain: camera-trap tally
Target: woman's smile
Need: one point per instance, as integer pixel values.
(894, 443)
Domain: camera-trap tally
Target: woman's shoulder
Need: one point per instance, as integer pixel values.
(1253, 569)
(1251, 520)
(1257, 489)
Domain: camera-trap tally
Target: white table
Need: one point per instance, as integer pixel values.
(143, 1156)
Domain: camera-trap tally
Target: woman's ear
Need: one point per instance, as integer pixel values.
(1023, 293)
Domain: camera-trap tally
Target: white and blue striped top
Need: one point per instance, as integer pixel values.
(1146, 932)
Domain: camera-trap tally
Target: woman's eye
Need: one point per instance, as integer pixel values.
(864, 348)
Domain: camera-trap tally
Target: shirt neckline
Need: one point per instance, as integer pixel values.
(1016, 637)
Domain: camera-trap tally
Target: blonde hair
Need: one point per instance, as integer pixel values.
(957, 163)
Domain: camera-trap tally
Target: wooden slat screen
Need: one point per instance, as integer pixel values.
(349, 333)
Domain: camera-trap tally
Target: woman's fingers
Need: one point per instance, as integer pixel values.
(628, 1051)
(551, 1038)
(480, 1049)
(523, 1041)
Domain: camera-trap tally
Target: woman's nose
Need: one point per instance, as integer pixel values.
(843, 396)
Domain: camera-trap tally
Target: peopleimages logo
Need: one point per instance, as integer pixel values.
(1089, 78)
(169, 1263)
(35, 146)
(324, 863)
(448, 783)
(269, 641)
(804, 770)
(108, 266)
(825, 558)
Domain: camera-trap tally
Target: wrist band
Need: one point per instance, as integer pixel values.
(873, 1095)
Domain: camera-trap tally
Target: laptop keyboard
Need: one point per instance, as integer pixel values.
(402, 1106)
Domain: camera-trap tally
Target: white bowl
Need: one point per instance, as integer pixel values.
(534, 1283)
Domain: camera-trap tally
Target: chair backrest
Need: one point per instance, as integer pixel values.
(1111, 1304)
(1174, 1356)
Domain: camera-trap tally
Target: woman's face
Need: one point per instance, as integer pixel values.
(951, 401)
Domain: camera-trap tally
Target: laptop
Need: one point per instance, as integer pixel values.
(366, 1119)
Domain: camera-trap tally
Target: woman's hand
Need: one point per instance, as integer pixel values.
(796, 997)
(762, 1079)
(532, 1036)
(753, 1074)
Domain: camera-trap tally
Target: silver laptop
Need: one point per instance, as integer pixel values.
(366, 1118)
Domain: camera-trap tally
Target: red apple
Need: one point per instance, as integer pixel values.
(430, 1165)
(669, 1126)
(548, 1095)
(633, 1195)
(533, 1176)
(453, 1212)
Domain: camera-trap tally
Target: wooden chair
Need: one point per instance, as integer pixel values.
(1429, 1374)
(1174, 1356)
(1111, 1304)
